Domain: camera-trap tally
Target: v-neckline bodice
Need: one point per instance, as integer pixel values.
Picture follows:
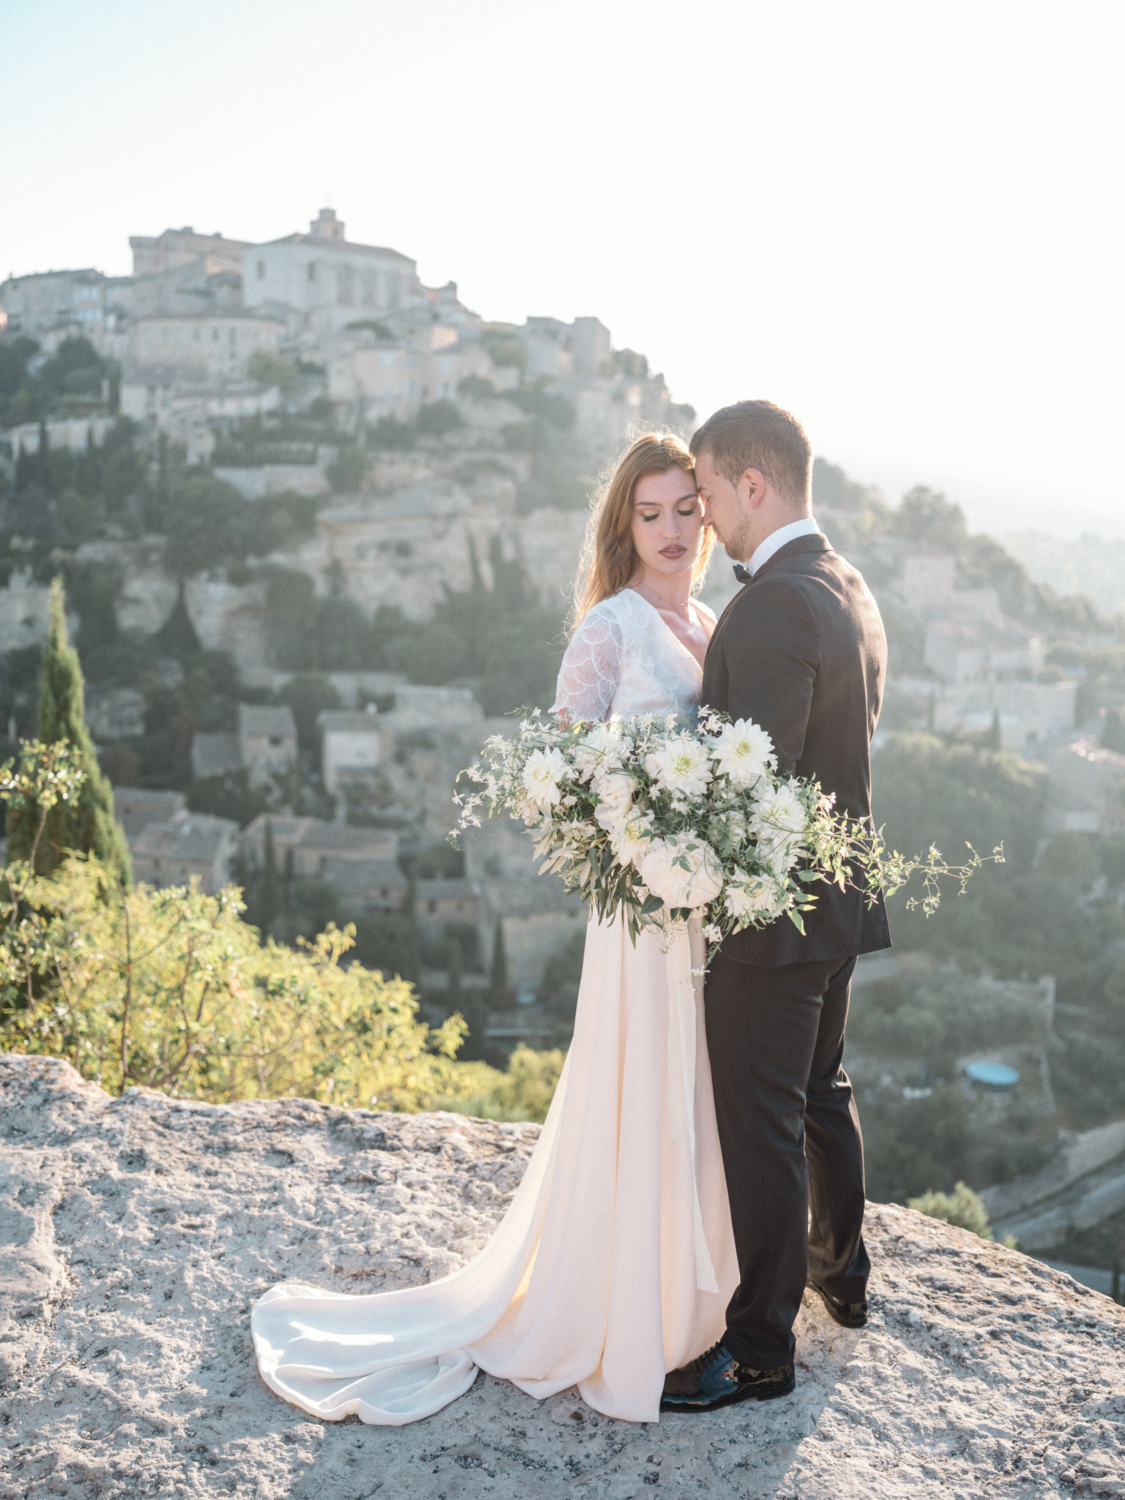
(685, 649)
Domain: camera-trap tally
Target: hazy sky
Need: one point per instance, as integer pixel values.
(902, 220)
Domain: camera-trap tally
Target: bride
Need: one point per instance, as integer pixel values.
(615, 1260)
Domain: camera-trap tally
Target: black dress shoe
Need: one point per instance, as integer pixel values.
(717, 1379)
(847, 1314)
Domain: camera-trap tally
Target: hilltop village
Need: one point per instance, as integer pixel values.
(318, 524)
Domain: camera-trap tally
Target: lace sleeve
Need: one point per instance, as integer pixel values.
(591, 669)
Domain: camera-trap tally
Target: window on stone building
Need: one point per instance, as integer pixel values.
(261, 270)
(312, 270)
(345, 286)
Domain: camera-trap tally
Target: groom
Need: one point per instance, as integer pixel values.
(801, 651)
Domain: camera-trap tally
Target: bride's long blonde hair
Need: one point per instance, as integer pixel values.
(609, 558)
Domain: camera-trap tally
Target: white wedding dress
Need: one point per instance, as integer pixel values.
(615, 1260)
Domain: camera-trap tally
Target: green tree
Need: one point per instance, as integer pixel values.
(472, 1004)
(347, 471)
(439, 418)
(269, 893)
(962, 1207)
(926, 515)
(86, 823)
(500, 990)
(309, 694)
(272, 369)
(390, 433)
(208, 524)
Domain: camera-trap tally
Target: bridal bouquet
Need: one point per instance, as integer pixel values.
(660, 822)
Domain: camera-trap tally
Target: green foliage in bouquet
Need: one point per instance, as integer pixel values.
(660, 822)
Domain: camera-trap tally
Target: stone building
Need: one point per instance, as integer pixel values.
(365, 885)
(136, 807)
(351, 746)
(1086, 790)
(267, 740)
(317, 847)
(50, 306)
(332, 281)
(437, 902)
(153, 255)
(204, 346)
(189, 844)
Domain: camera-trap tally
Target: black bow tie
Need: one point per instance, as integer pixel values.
(743, 575)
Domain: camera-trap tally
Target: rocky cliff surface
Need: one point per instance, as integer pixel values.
(137, 1231)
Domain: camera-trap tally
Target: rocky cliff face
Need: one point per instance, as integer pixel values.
(137, 1231)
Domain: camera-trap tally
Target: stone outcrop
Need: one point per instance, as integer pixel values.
(137, 1231)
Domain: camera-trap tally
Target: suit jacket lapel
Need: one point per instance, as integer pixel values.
(817, 542)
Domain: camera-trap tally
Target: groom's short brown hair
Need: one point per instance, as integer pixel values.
(758, 435)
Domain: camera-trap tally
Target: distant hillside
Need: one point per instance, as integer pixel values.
(1093, 565)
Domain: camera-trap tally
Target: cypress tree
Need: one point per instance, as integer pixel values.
(472, 1006)
(87, 824)
(501, 993)
(269, 900)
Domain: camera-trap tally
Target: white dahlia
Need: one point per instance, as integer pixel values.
(778, 823)
(743, 751)
(680, 765)
(599, 750)
(542, 773)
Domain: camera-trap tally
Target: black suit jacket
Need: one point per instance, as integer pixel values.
(801, 651)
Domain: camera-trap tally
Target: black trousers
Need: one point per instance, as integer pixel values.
(792, 1148)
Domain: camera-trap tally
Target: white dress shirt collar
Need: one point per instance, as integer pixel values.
(806, 526)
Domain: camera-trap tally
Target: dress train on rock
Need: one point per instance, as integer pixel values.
(615, 1260)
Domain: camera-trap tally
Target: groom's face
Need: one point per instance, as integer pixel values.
(724, 509)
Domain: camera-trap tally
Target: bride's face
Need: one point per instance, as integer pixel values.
(667, 522)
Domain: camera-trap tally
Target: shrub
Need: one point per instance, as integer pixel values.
(170, 989)
(389, 432)
(962, 1208)
(477, 389)
(504, 347)
(272, 369)
(439, 418)
(523, 1092)
(347, 470)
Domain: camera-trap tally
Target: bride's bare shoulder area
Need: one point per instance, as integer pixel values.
(707, 615)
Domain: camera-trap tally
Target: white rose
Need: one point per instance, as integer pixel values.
(743, 751)
(682, 870)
